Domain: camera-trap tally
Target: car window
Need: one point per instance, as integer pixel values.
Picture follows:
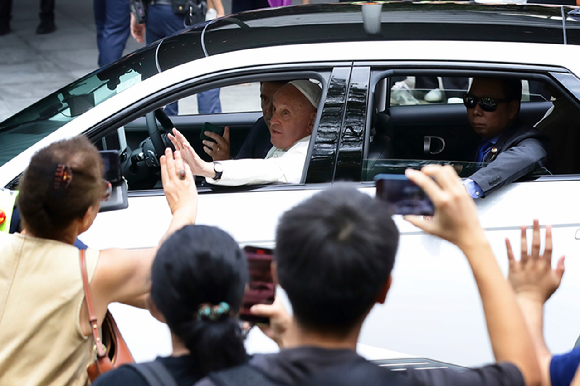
(421, 90)
(409, 131)
(32, 124)
(241, 113)
(238, 98)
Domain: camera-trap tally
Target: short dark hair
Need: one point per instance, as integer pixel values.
(334, 253)
(511, 87)
(47, 211)
(199, 265)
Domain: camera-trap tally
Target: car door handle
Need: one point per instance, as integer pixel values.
(430, 141)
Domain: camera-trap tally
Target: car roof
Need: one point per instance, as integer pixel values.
(352, 22)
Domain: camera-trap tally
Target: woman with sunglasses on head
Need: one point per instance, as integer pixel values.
(511, 147)
(45, 335)
(198, 279)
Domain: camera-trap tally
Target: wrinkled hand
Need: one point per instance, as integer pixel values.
(280, 320)
(198, 166)
(181, 194)
(532, 276)
(455, 218)
(137, 30)
(220, 149)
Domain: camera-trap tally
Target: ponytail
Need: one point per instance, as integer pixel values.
(198, 279)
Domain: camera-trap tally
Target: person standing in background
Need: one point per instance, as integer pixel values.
(113, 20)
(46, 14)
(162, 22)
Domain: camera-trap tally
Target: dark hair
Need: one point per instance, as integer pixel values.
(48, 209)
(335, 252)
(201, 265)
(511, 87)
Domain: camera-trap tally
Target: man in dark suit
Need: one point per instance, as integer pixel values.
(512, 148)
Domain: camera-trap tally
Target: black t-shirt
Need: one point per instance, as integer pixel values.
(183, 370)
(296, 366)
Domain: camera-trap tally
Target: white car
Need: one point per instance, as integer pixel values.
(374, 117)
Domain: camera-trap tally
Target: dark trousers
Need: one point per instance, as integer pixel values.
(161, 22)
(112, 18)
(46, 10)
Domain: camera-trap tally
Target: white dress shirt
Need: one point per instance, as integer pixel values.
(282, 166)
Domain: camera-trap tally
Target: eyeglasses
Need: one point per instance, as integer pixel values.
(108, 190)
(486, 104)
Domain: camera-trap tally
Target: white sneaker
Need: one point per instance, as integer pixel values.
(434, 95)
(455, 100)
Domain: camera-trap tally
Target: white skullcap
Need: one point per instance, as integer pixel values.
(310, 90)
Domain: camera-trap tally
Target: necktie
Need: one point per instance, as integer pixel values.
(484, 150)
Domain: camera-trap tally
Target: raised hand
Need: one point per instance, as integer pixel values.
(220, 149)
(179, 186)
(198, 166)
(532, 275)
(455, 218)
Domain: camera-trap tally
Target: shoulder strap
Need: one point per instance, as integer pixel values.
(155, 373)
(241, 376)
(92, 317)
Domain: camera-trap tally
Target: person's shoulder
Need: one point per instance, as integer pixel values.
(121, 376)
(496, 374)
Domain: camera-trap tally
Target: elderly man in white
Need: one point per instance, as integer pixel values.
(295, 106)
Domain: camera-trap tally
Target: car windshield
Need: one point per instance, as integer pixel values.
(32, 124)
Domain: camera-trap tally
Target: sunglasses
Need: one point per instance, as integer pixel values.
(486, 104)
(108, 190)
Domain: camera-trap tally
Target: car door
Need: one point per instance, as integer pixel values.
(249, 214)
(433, 303)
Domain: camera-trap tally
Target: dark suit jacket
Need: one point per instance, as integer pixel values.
(257, 143)
(520, 150)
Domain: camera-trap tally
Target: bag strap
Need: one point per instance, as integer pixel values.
(92, 318)
(155, 373)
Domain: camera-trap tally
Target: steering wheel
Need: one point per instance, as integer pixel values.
(158, 134)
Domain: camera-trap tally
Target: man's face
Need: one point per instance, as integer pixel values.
(267, 91)
(292, 118)
(488, 124)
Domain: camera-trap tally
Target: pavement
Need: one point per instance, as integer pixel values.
(33, 66)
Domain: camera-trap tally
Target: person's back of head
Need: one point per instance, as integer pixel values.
(197, 282)
(61, 182)
(334, 255)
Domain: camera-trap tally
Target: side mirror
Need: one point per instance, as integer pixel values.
(119, 198)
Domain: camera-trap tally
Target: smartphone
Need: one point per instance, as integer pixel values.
(402, 195)
(261, 288)
(112, 163)
(210, 127)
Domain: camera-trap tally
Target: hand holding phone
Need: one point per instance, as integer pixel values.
(261, 288)
(403, 196)
(213, 128)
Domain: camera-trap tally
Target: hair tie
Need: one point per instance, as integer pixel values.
(62, 177)
(212, 312)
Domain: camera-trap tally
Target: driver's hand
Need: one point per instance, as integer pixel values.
(198, 166)
(220, 149)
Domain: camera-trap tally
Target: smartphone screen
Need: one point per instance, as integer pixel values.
(261, 288)
(403, 196)
(210, 127)
(112, 165)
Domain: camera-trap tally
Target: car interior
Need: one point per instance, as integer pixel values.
(412, 127)
(145, 138)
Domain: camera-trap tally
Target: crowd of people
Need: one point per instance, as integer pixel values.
(334, 255)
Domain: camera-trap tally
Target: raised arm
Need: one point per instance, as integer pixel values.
(455, 220)
(534, 281)
(124, 275)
